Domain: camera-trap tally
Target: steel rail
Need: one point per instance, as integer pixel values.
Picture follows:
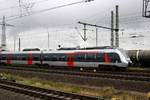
(46, 94)
(103, 74)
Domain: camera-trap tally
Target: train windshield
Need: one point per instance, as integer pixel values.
(124, 53)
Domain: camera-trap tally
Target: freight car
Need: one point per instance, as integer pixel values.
(91, 58)
(139, 57)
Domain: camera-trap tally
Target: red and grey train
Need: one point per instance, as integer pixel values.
(92, 58)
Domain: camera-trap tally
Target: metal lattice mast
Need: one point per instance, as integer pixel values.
(96, 36)
(84, 37)
(146, 9)
(3, 38)
(20, 7)
(112, 31)
(117, 26)
(19, 49)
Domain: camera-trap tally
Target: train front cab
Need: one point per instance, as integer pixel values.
(114, 60)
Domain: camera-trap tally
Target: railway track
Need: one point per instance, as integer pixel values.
(45, 94)
(128, 76)
(130, 81)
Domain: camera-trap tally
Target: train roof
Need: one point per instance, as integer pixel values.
(68, 51)
(20, 52)
(88, 48)
(74, 51)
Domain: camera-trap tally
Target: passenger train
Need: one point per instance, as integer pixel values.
(86, 58)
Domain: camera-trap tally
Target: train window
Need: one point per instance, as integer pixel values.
(79, 57)
(54, 58)
(90, 56)
(46, 58)
(114, 57)
(3, 57)
(58, 57)
(18, 57)
(111, 57)
(99, 57)
(24, 57)
(12, 56)
(62, 58)
(36, 58)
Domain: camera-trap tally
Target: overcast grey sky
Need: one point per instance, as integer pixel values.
(61, 22)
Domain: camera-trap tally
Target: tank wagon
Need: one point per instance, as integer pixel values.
(139, 57)
(91, 58)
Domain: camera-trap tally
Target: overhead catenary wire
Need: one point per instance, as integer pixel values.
(45, 10)
(126, 18)
(12, 7)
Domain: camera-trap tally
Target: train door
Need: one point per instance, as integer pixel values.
(70, 61)
(29, 60)
(106, 58)
(8, 60)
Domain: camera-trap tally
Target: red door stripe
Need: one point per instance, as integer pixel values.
(70, 62)
(8, 61)
(106, 58)
(29, 59)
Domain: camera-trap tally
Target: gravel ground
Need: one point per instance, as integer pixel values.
(8, 95)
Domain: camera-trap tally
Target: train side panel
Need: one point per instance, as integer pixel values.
(20, 58)
(85, 59)
(69, 59)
